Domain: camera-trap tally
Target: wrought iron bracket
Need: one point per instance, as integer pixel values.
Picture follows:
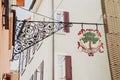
(29, 33)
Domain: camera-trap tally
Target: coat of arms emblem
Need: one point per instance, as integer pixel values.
(90, 41)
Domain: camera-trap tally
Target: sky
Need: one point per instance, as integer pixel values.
(21, 15)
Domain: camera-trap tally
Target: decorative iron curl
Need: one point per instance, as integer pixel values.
(30, 33)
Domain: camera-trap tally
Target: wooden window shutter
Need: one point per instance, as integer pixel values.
(68, 68)
(41, 70)
(20, 2)
(66, 19)
(5, 13)
(10, 30)
(6, 76)
(26, 59)
(22, 63)
(14, 27)
(32, 77)
(35, 75)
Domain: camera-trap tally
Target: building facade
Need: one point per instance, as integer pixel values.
(7, 33)
(5, 41)
(111, 12)
(71, 53)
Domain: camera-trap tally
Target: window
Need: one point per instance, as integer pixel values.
(64, 17)
(31, 78)
(61, 67)
(28, 54)
(35, 75)
(38, 74)
(64, 67)
(26, 59)
(40, 71)
(23, 61)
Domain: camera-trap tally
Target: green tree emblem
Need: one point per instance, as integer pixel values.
(91, 38)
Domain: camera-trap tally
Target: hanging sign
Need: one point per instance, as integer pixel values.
(90, 41)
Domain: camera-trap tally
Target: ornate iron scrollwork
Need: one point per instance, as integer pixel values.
(30, 33)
